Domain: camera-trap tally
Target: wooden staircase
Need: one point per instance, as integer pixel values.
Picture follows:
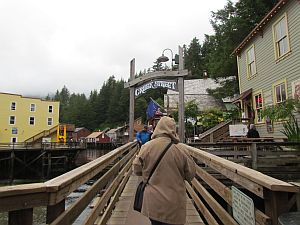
(218, 133)
(42, 134)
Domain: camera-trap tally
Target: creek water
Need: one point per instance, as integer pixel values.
(39, 213)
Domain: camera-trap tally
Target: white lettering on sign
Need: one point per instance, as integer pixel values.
(243, 207)
(155, 84)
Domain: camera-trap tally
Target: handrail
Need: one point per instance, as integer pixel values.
(273, 192)
(53, 192)
(41, 134)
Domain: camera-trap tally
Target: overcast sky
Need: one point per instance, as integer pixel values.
(46, 44)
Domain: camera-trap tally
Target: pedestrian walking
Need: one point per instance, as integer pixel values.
(164, 201)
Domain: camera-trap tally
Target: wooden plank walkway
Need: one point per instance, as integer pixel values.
(123, 214)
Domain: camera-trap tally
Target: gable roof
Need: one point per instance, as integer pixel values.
(95, 134)
(260, 27)
(197, 86)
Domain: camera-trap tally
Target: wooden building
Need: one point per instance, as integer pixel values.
(98, 137)
(268, 62)
(23, 117)
(80, 133)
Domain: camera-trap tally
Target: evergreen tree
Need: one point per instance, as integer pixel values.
(193, 59)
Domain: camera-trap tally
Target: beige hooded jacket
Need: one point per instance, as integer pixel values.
(165, 195)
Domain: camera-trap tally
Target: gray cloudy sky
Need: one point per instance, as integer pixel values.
(46, 44)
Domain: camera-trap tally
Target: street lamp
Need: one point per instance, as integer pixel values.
(164, 58)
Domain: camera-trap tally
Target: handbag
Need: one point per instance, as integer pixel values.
(139, 194)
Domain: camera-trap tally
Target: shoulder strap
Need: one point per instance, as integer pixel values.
(158, 160)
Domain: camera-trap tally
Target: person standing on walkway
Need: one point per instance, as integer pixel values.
(164, 201)
(143, 136)
(252, 132)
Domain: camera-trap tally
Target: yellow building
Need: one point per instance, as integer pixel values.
(23, 117)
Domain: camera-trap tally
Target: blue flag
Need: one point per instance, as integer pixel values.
(151, 109)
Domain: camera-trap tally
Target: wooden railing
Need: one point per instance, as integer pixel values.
(219, 132)
(213, 198)
(42, 145)
(42, 134)
(112, 170)
(271, 197)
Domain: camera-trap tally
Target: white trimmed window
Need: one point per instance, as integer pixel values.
(251, 67)
(31, 120)
(13, 140)
(258, 106)
(32, 107)
(281, 40)
(280, 92)
(12, 120)
(14, 130)
(13, 106)
(50, 108)
(49, 121)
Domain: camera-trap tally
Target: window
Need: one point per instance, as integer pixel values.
(258, 106)
(280, 92)
(31, 120)
(281, 40)
(14, 130)
(32, 107)
(13, 140)
(12, 120)
(49, 121)
(13, 106)
(251, 65)
(50, 109)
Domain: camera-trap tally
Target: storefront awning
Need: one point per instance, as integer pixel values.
(243, 95)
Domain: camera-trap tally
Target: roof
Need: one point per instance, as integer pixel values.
(21, 96)
(243, 95)
(197, 86)
(79, 128)
(95, 134)
(112, 131)
(260, 27)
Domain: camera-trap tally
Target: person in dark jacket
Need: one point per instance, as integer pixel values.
(143, 136)
(252, 132)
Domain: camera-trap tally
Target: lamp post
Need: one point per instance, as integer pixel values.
(164, 58)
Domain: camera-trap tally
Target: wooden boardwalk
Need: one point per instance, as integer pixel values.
(125, 215)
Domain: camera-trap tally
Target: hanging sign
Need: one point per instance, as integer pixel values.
(169, 84)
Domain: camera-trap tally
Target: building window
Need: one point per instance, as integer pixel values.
(281, 39)
(31, 120)
(12, 120)
(32, 107)
(50, 109)
(13, 106)
(14, 130)
(280, 92)
(258, 106)
(251, 65)
(50, 121)
(13, 140)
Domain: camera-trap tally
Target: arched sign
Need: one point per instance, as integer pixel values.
(169, 84)
(150, 81)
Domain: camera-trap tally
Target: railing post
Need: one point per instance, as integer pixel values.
(253, 149)
(53, 211)
(276, 203)
(23, 216)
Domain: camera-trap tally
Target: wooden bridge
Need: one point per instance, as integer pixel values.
(210, 201)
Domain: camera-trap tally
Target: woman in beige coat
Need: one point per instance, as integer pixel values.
(165, 195)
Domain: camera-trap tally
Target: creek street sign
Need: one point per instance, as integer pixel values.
(169, 84)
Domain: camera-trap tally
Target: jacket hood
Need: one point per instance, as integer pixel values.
(166, 127)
